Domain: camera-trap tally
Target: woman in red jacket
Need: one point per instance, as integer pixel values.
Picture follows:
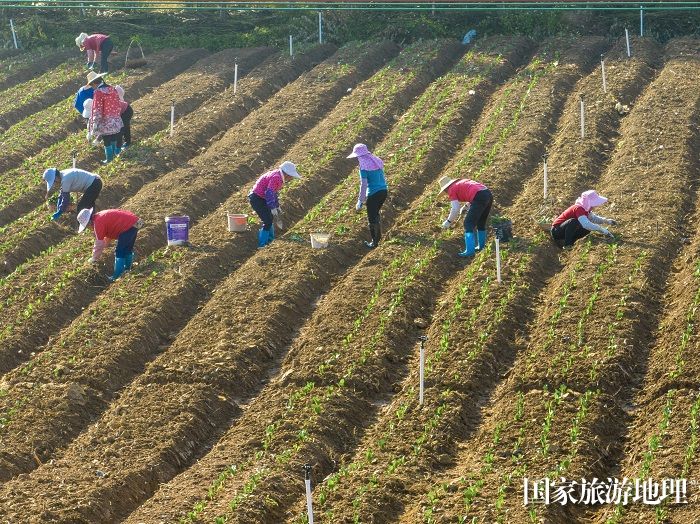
(478, 199)
(97, 44)
(579, 220)
(112, 224)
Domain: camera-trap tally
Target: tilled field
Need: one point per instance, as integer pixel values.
(196, 387)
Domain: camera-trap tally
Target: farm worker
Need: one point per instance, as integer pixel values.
(127, 113)
(265, 202)
(72, 180)
(579, 220)
(373, 190)
(105, 118)
(84, 93)
(109, 225)
(478, 200)
(97, 44)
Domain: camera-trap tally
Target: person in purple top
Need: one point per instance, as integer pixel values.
(265, 201)
(373, 190)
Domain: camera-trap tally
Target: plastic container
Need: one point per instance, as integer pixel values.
(178, 230)
(320, 240)
(504, 231)
(237, 222)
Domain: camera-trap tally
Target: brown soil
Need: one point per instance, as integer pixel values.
(169, 63)
(191, 89)
(34, 69)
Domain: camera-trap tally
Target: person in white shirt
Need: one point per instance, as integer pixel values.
(70, 181)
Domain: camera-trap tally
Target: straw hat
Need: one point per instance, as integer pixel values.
(358, 150)
(445, 182)
(84, 218)
(288, 168)
(92, 77)
(49, 177)
(80, 39)
(87, 108)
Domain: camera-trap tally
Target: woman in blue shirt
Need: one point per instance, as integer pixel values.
(373, 189)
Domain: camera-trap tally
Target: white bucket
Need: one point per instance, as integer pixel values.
(237, 222)
(320, 240)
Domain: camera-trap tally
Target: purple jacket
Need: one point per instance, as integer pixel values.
(267, 187)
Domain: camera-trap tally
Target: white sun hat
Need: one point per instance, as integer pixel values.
(288, 168)
(80, 39)
(87, 108)
(49, 177)
(84, 218)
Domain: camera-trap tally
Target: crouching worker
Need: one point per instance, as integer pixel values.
(478, 199)
(265, 201)
(70, 181)
(109, 225)
(579, 220)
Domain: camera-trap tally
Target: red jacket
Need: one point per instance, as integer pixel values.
(464, 190)
(111, 223)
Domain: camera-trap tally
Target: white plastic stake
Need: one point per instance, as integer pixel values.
(627, 38)
(498, 261)
(291, 49)
(14, 35)
(235, 75)
(307, 481)
(641, 20)
(602, 68)
(320, 28)
(172, 118)
(421, 369)
(583, 124)
(546, 179)
(75, 158)
(82, 9)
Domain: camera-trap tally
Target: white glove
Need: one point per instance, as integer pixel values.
(607, 233)
(446, 224)
(275, 211)
(612, 222)
(92, 260)
(358, 206)
(464, 208)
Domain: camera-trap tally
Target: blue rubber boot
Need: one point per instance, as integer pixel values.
(481, 237)
(271, 234)
(109, 153)
(129, 260)
(469, 247)
(119, 266)
(263, 238)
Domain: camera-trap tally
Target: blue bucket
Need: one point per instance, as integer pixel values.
(178, 230)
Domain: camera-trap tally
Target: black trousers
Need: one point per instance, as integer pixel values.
(260, 207)
(566, 233)
(88, 199)
(125, 134)
(479, 210)
(374, 204)
(105, 50)
(108, 140)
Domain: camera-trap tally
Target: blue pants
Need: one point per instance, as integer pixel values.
(260, 207)
(125, 243)
(479, 210)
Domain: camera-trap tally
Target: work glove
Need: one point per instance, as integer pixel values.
(612, 222)
(446, 224)
(607, 233)
(56, 215)
(464, 209)
(358, 206)
(276, 212)
(92, 260)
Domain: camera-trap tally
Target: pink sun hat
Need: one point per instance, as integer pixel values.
(590, 199)
(358, 150)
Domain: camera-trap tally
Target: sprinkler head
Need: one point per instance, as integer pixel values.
(423, 338)
(307, 471)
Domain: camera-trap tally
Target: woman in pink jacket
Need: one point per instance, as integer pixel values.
(265, 201)
(105, 118)
(96, 45)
